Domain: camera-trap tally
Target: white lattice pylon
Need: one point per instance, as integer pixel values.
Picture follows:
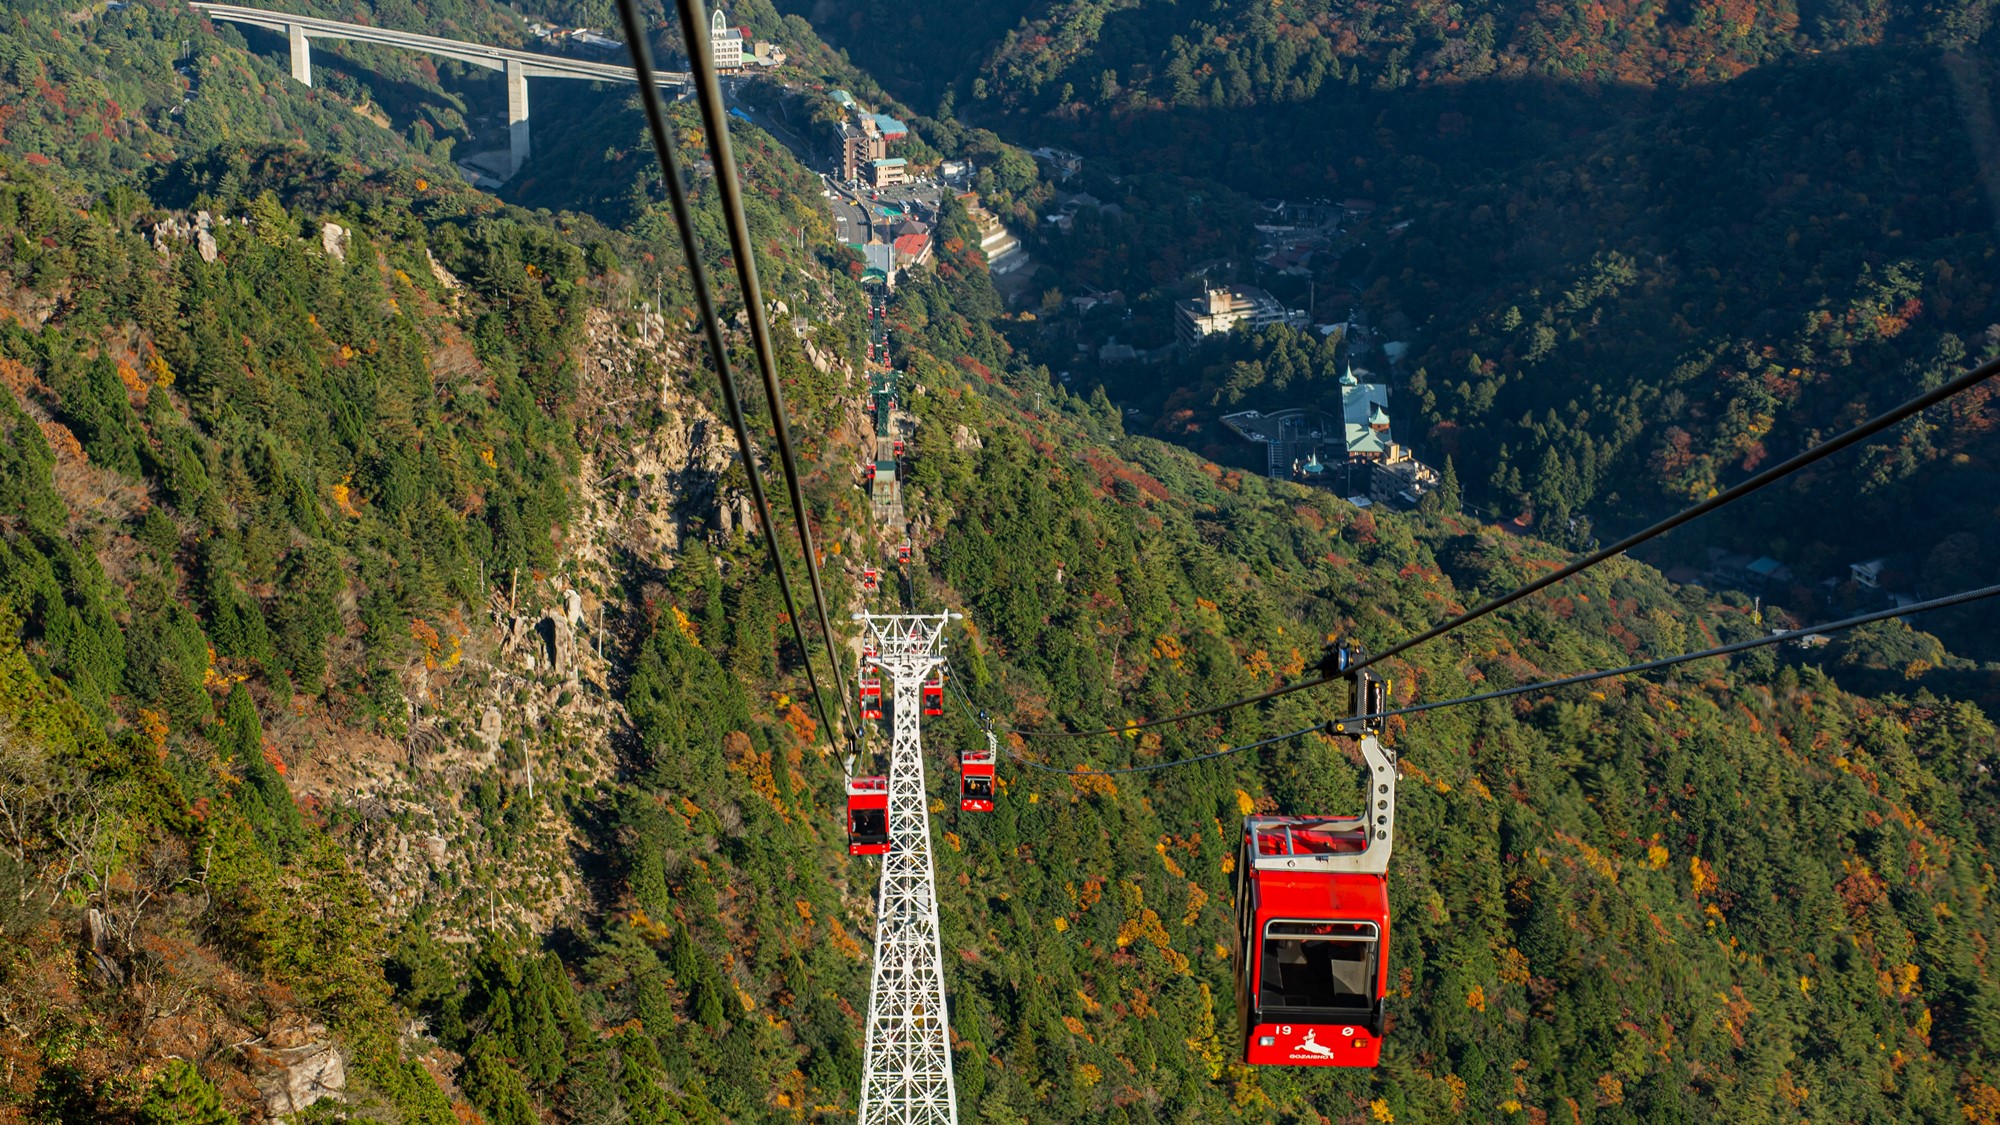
(906, 1077)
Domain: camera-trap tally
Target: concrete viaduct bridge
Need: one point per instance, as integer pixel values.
(519, 66)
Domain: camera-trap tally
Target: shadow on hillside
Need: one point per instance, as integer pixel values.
(404, 103)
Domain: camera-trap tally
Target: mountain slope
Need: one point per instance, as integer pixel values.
(305, 767)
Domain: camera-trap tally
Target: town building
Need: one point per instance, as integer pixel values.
(859, 145)
(1224, 308)
(1868, 574)
(912, 250)
(1003, 251)
(725, 42)
(878, 261)
(1736, 570)
(1364, 410)
(594, 42)
(1355, 449)
(1296, 442)
(888, 171)
(1400, 479)
(1062, 162)
(912, 240)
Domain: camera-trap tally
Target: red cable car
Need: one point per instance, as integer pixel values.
(871, 692)
(870, 580)
(975, 780)
(868, 471)
(1312, 933)
(934, 694)
(867, 815)
(903, 552)
(899, 447)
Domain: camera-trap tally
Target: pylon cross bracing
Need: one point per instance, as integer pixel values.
(906, 1076)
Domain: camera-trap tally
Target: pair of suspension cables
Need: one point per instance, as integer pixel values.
(694, 30)
(1329, 672)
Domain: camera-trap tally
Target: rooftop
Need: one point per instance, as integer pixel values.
(1284, 425)
(890, 126)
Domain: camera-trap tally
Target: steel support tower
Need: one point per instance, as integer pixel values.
(906, 1078)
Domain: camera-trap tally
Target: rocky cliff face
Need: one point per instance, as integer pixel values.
(470, 815)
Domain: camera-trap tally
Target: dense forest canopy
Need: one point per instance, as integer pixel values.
(306, 750)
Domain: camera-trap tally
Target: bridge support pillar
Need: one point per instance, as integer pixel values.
(302, 54)
(517, 116)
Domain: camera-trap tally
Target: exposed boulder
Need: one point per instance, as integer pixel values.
(296, 1067)
(333, 240)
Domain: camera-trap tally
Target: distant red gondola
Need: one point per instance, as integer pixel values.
(934, 694)
(867, 815)
(871, 692)
(870, 580)
(975, 780)
(903, 552)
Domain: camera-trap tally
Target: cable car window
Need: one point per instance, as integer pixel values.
(870, 823)
(1317, 965)
(979, 787)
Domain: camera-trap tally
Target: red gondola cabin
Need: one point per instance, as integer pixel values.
(870, 580)
(867, 815)
(975, 780)
(903, 552)
(934, 694)
(871, 692)
(1312, 933)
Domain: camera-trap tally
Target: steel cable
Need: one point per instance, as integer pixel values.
(701, 63)
(1545, 685)
(704, 298)
(1818, 452)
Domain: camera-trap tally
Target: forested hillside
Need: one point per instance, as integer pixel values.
(1083, 57)
(395, 702)
(1636, 253)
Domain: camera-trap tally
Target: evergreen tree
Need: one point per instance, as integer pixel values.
(642, 1079)
(495, 1087)
(179, 1095)
(1448, 490)
(265, 799)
